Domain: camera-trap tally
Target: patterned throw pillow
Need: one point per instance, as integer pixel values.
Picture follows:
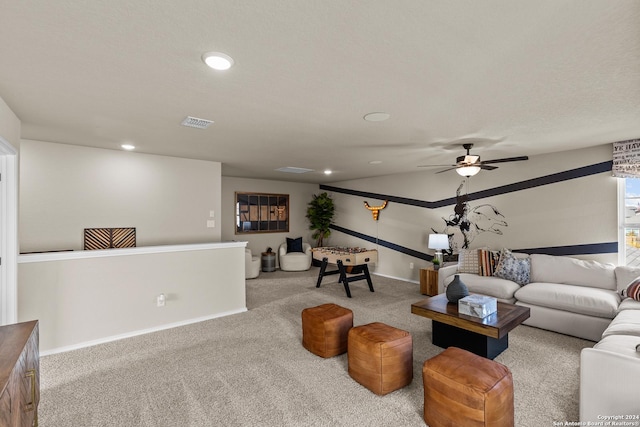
(632, 290)
(511, 268)
(468, 261)
(488, 261)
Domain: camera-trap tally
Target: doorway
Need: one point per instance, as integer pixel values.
(8, 233)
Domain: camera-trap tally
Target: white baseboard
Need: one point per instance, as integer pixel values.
(139, 332)
(402, 279)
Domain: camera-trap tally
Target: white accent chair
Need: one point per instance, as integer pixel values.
(251, 264)
(295, 261)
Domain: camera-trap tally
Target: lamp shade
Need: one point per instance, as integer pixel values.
(438, 241)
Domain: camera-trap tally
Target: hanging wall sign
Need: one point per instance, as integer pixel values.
(626, 159)
(375, 210)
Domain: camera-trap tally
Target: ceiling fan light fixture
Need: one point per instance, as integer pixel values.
(468, 170)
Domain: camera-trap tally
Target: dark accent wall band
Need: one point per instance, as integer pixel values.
(384, 243)
(504, 189)
(588, 249)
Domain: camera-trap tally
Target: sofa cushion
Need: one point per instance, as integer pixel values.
(627, 322)
(629, 304)
(490, 286)
(621, 344)
(625, 275)
(633, 290)
(468, 261)
(511, 268)
(572, 271)
(575, 299)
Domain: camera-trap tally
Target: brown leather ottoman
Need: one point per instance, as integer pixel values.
(325, 329)
(380, 357)
(464, 389)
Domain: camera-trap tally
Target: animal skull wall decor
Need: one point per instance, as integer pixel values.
(375, 210)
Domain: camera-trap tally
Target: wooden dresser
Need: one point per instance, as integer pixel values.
(19, 375)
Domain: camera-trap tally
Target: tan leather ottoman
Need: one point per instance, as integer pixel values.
(380, 357)
(325, 329)
(464, 389)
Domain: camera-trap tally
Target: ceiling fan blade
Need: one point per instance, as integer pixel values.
(448, 169)
(434, 166)
(488, 167)
(508, 159)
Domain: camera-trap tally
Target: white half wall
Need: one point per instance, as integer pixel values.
(88, 297)
(65, 189)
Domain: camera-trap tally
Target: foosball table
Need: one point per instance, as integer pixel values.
(349, 261)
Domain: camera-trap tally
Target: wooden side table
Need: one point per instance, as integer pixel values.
(428, 281)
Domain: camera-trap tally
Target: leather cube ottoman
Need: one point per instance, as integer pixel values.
(464, 389)
(380, 357)
(325, 329)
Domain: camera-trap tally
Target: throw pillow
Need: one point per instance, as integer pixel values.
(632, 290)
(488, 261)
(468, 261)
(294, 245)
(511, 268)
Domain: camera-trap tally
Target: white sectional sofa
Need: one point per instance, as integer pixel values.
(583, 299)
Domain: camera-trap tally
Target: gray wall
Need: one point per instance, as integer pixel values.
(300, 195)
(564, 213)
(171, 199)
(9, 125)
(66, 188)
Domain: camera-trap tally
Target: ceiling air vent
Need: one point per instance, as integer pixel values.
(291, 169)
(194, 122)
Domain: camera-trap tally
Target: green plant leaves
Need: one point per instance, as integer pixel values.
(320, 213)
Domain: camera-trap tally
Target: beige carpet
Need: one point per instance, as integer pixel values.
(250, 369)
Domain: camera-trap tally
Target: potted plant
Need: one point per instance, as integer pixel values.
(320, 212)
(436, 264)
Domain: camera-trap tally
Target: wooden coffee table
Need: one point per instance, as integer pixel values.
(486, 337)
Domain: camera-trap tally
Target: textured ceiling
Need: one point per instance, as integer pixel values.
(518, 77)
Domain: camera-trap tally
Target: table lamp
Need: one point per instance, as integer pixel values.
(438, 242)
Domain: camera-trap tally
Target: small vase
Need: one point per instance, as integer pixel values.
(456, 289)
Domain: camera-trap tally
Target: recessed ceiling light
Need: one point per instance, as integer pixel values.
(375, 162)
(128, 147)
(377, 117)
(328, 172)
(217, 60)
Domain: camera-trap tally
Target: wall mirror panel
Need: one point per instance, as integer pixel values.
(262, 213)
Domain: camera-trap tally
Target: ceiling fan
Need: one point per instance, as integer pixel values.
(470, 164)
